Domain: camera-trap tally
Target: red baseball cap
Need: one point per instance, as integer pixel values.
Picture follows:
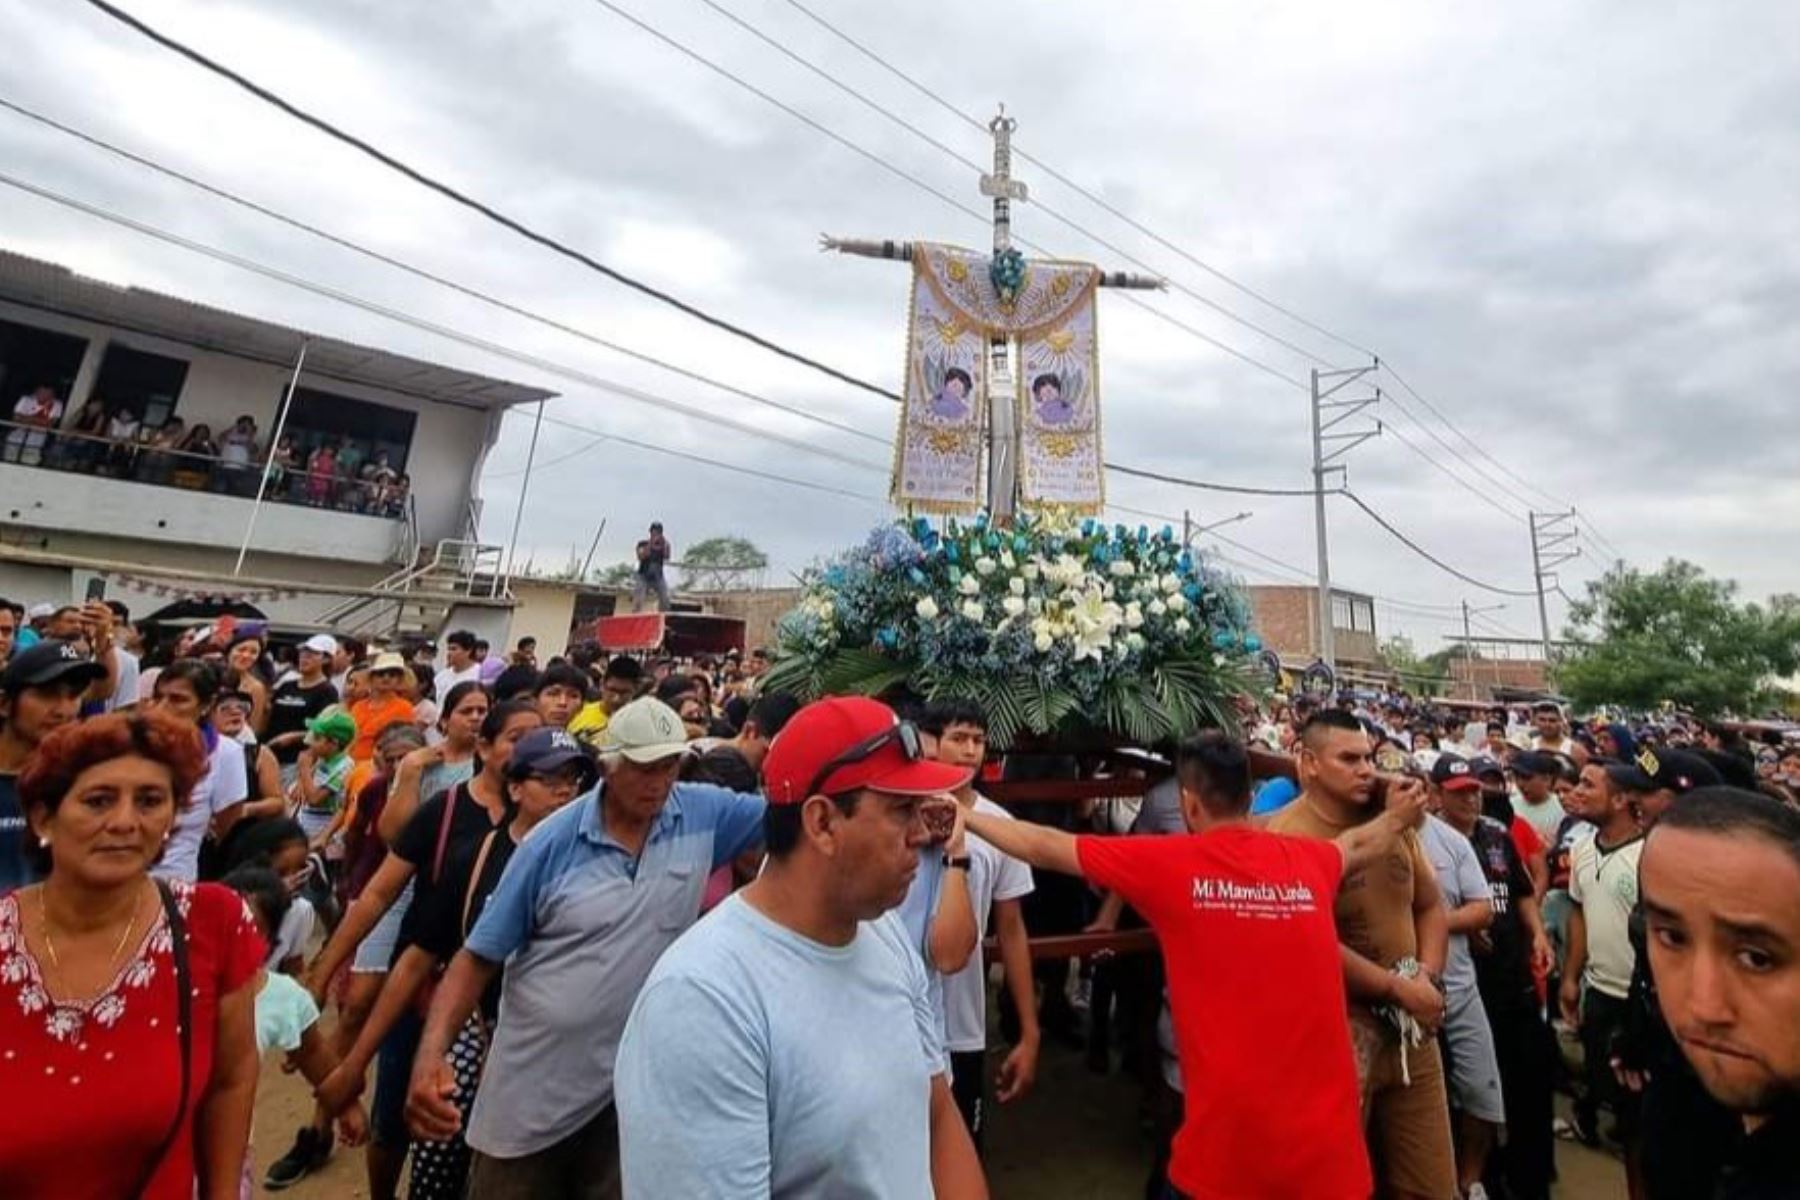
(867, 742)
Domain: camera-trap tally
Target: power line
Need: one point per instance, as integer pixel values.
(1099, 201)
(1451, 475)
(443, 331)
(1426, 554)
(1458, 455)
(421, 273)
(1077, 188)
(476, 206)
(928, 188)
(970, 163)
(1234, 489)
(444, 189)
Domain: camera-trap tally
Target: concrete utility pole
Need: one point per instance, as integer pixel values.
(1348, 440)
(1550, 532)
(1002, 461)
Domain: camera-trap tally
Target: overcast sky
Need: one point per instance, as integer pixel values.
(1572, 227)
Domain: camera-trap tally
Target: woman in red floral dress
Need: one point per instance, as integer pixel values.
(92, 967)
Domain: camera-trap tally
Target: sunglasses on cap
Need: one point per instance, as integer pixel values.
(903, 733)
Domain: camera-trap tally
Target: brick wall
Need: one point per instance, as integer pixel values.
(1286, 619)
(1490, 673)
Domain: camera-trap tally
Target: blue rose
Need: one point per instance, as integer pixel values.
(1252, 643)
(952, 552)
(1224, 639)
(1087, 527)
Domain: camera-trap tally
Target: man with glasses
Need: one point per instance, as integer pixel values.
(786, 1046)
(588, 904)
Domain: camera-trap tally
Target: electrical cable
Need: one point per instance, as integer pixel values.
(412, 173)
(421, 273)
(474, 205)
(1426, 554)
(1486, 499)
(970, 163)
(1075, 187)
(928, 188)
(443, 331)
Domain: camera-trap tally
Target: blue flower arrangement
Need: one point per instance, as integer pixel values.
(1055, 626)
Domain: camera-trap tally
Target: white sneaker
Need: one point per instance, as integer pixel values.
(1475, 1192)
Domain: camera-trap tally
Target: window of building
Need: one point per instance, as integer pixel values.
(31, 358)
(357, 426)
(1340, 611)
(147, 384)
(1362, 615)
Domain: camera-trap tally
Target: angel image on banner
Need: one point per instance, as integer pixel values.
(1059, 396)
(937, 464)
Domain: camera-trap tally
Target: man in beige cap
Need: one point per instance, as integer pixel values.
(587, 905)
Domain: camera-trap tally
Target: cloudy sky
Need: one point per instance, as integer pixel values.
(1570, 226)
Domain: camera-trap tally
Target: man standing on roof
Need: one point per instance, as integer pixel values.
(653, 554)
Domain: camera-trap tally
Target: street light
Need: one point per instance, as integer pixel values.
(1190, 531)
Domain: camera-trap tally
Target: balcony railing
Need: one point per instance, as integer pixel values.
(168, 466)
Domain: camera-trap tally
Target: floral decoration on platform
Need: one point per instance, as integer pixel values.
(1055, 626)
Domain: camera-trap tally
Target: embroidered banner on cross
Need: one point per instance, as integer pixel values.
(955, 313)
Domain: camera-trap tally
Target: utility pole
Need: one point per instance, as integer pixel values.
(1549, 533)
(1348, 440)
(1469, 640)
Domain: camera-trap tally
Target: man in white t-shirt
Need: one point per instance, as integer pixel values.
(996, 882)
(785, 1047)
(1552, 729)
(459, 664)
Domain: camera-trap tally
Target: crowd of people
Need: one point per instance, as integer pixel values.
(601, 927)
(116, 441)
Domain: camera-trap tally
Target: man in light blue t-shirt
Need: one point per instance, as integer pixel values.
(785, 1046)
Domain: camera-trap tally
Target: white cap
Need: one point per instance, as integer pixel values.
(38, 612)
(645, 731)
(321, 643)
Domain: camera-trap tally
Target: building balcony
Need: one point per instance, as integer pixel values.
(71, 483)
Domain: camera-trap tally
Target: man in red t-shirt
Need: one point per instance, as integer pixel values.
(1256, 983)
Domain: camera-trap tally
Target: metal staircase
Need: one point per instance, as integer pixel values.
(417, 600)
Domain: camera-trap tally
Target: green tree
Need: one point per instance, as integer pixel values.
(718, 564)
(1677, 635)
(616, 576)
(1420, 675)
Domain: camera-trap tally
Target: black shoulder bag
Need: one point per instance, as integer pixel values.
(184, 1027)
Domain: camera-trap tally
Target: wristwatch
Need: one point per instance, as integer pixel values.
(961, 862)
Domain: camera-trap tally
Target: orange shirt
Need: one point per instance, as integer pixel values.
(372, 716)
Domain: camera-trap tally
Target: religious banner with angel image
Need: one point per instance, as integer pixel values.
(1059, 402)
(937, 460)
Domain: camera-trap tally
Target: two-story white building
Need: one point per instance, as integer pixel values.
(395, 510)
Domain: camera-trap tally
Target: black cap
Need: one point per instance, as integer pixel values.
(1453, 772)
(49, 662)
(1483, 764)
(1677, 771)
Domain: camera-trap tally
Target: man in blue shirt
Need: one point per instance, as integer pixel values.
(785, 1047)
(585, 908)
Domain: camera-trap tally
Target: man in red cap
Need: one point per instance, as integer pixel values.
(1256, 980)
(785, 1046)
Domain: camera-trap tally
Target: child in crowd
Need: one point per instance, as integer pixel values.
(286, 1017)
(324, 774)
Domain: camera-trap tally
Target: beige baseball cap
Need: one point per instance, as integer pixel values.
(645, 731)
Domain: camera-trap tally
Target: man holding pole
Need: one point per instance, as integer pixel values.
(1256, 982)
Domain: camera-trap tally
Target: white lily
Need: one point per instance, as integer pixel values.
(986, 565)
(1016, 586)
(926, 608)
(972, 609)
(970, 586)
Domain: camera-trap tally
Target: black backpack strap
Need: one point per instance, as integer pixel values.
(184, 1028)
